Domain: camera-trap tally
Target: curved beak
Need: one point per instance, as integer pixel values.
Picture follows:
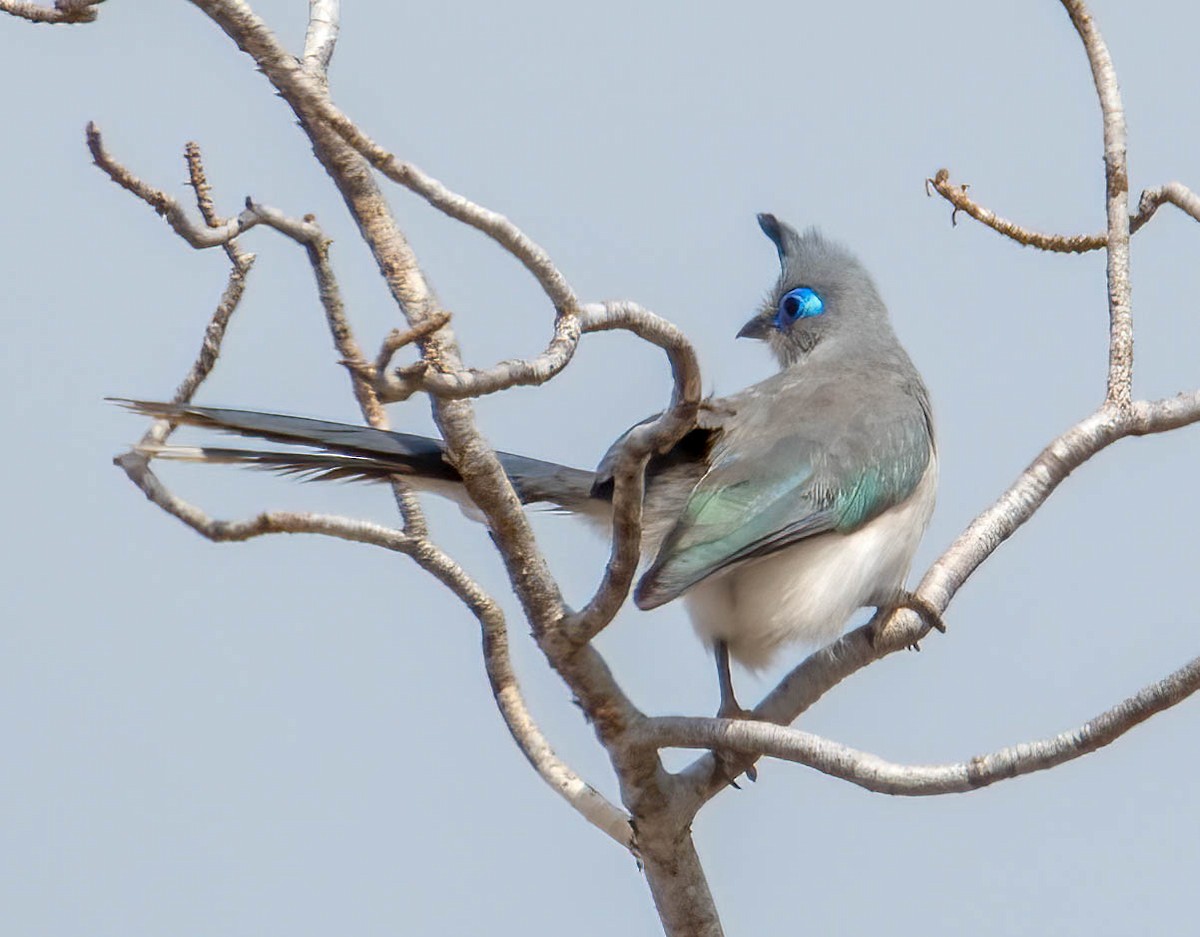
(758, 327)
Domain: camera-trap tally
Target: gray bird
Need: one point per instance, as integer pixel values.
(791, 505)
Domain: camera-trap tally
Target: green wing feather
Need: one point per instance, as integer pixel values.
(755, 504)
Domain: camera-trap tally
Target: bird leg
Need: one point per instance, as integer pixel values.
(913, 602)
(729, 709)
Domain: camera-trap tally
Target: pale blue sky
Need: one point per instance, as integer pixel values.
(294, 736)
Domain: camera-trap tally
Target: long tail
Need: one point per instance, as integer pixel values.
(359, 453)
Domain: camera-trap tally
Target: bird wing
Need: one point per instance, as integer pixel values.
(765, 491)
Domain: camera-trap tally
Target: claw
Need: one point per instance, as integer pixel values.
(914, 603)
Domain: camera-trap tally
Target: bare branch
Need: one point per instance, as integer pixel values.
(214, 333)
(475, 461)
(241, 262)
(402, 338)
(957, 196)
(198, 180)
(1031, 489)
(1162, 416)
(1116, 174)
(322, 35)
(529, 738)
(582, 796)
(523, 372)
(210, 347)
(583, 669)
(1174, 193)
(63, 11)
(1119, 223)
(305, 232)
(135, 464)
(309, 235)
(286, 73)
(630, 465)
(1013, 508)
(167, 207)
(475, 382)
(876, 774)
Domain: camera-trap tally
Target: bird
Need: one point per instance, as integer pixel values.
(791, 504)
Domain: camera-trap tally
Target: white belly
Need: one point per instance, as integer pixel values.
(807, 592)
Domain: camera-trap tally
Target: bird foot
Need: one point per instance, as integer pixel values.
(729, 764)
(914, 603)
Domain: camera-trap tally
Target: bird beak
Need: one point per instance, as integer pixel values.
(758, 327)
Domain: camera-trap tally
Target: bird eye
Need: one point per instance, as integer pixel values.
(800, 303)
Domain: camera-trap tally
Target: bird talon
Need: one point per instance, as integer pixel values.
(728, 768)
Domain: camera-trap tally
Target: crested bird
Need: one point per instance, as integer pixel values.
(792, 504)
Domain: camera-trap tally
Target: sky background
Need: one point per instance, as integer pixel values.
(294, 736)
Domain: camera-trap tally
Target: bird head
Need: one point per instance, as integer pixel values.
(823, 294)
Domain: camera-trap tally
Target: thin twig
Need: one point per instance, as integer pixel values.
(402, 338)
(240, 261)
(196, 235)
(198, 180)
(63, 11)
(305, 232)
(210, 347)
(214, 334)
(956, 195)
(1174, 193)
(476, 382)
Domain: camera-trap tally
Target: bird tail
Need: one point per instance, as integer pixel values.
(358, 453)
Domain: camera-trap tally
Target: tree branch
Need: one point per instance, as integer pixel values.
(582, 668)
(214, 334)
(63, 12)
(1116, 174)
(475, 382)
(956, 195)
(210, 347)
(324, 18)
(198, 237)
(582, 796)
(629, 467)
(662, 805)
(884, 777)
(198, 180)
(256, 40)
(1174, 193)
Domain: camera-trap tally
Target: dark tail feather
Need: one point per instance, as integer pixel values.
(356, 453)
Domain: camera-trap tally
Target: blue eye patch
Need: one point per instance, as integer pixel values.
(800, 303)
